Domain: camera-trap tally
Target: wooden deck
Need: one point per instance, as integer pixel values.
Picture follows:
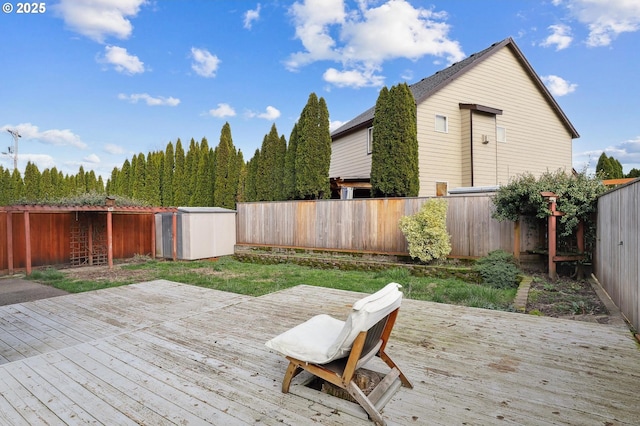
(163, 353)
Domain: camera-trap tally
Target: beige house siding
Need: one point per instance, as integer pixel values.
(349, 158)
(537, 140)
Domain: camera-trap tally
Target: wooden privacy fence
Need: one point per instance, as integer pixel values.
(372, 225)
(618, 248)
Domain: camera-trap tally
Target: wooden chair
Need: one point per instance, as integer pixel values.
(334, 350)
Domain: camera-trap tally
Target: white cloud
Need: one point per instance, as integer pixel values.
(122, 61)
(250, 16)
(336, 124)
(43, 161)
(605, 19)
(363, 39)
(150, 100)
(353, 78)
(627, 152)
(270, 114)
(50, 137)
(92, 158)
(560, 37)
(223, 110)
(558, 86)
(205, 64)
(99, 19)
(113, 149)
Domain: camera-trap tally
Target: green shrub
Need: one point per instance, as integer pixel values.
(426, 231)
(498, 269)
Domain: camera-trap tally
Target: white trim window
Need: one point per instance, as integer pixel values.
(369, 140)
(501, 134)
(441, 123)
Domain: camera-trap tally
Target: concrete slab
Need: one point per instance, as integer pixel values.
(18, 290)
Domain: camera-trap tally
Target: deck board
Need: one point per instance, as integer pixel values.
(165, 353)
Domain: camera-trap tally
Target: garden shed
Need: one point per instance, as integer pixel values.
(202, 232)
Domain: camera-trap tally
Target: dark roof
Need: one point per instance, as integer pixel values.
(430, 85)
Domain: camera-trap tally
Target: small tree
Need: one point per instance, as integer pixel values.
(426, 231)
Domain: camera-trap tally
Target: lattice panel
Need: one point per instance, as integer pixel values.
(88, 240)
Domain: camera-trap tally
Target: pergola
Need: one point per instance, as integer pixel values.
(109, 209)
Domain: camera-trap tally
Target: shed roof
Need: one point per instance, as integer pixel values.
(204, 210)
(430, 85)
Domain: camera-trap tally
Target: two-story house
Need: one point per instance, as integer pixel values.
(480, 122)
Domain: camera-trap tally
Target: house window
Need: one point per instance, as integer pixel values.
(441, 189)
(369, 140)
(441, 124)
(501, 134)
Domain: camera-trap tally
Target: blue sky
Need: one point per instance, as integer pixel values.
(93, 82)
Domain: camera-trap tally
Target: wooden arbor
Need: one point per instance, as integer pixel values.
(553, 256)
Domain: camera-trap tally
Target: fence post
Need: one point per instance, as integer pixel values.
(10, 241)
(516, 239)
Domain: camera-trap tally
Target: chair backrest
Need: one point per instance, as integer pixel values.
(367, 313)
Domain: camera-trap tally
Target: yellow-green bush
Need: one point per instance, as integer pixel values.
(426, 231)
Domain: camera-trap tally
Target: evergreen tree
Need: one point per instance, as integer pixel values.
(251, 179)
(609, 167)
(138, 177)
(278, 173)
(6, 183)
(100, 189)
(167, 176)
(47, 191)
(124, 179)
(31, 182)
(289, 175)
(81, 181)
(242, 178)
(180, 197)
(633, 173)
(92, 181)
(191, 170)
(151, 192)
(394, 158)
(57, 183)
(18, 185)
(202, 190)
(112, 182)
(227, 172)
(313, 154)
(263, 166)
(616, 168)
(271, 166)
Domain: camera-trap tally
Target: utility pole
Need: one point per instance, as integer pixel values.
(13, 151)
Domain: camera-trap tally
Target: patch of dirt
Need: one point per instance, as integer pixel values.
(103, 273)
(566, 298)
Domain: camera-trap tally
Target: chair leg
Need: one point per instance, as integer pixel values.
(387, 359)
(292, 371)
(365, 403)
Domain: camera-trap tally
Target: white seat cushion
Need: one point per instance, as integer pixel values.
(323, 339)
(309, 341)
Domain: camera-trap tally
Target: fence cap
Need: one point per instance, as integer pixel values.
(473, 190)
(204, 210)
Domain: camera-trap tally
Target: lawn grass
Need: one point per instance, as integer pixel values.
(229, 274)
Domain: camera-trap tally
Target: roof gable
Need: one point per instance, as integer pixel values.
(430, 85)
